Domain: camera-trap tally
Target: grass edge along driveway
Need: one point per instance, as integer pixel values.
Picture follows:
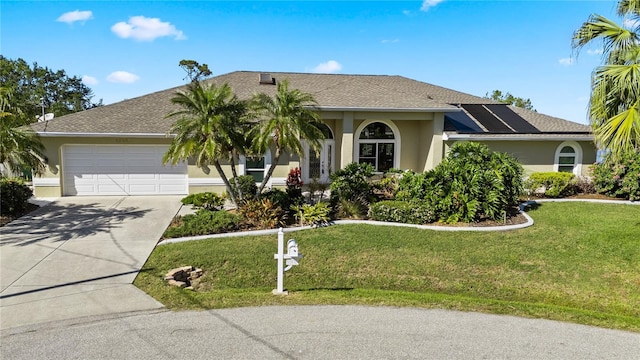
(580, 262)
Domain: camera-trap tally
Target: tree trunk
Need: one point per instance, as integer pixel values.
(216, 163)
(274, 162)
(235, 176)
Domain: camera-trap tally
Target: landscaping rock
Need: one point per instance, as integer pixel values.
(183, 276)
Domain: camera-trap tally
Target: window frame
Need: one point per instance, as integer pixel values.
(577, 157)
(395, 141)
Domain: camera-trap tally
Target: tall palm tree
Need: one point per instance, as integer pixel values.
(208, 128)
(20, 147)
(285, 120)
(614, 106)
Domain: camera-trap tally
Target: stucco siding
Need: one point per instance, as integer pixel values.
(539, 156)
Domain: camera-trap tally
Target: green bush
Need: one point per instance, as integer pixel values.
(551, 184)
(317, 215)
(203, 222)
(284, 200)
(14, 196)
(205, 200)
(472, 183)
(350, 209)
(247, 185)
(410, 212)
(263, 214)
(352, 182)
(618, 178)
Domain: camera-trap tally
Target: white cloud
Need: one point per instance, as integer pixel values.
(328, 67)
(89, 80)
(389, 41)
(594, 51)
(73, 16)
(566, 61)
(146, 29)
(428, 4)
(122, 77)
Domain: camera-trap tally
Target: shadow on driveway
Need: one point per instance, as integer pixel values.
(61, 222)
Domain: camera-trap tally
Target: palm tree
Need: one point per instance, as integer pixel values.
(20, 147)
(614, 106)
(285, 120)
(208, 128)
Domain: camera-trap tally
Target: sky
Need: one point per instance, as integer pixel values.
(125, 49)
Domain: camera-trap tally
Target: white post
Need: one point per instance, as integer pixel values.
(280, 257)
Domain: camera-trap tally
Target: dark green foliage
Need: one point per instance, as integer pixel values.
(284, 200)
(471, 184)
(551, 184)
(621, 178)
(352, 184)
(204, 222)
(34, 86)
(350, 209)
(410, 212)
(14, 196)
(247, 185)
(205, 200)
(263, 214)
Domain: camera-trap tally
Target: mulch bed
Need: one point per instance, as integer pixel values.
(5, 219)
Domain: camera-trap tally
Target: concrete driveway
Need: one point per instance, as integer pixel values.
(78, 257)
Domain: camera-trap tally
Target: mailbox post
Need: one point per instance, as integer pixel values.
(292, 258)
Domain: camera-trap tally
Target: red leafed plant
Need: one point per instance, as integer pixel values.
(294, 179)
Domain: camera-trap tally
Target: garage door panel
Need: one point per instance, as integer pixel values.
(120, 170)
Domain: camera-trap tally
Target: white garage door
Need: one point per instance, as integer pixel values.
(120, 170)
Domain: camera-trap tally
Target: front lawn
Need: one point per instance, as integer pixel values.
(580, 262)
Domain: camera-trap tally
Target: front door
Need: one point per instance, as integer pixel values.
(320, 165)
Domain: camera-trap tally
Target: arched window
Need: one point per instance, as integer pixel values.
(378, 145)
(568, 158)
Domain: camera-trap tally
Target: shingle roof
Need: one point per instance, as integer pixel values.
(146, 114)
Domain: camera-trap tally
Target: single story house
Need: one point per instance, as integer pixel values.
(387, 121)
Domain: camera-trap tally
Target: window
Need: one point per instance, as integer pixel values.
(568, 158)
(254, 166)
(377, 146)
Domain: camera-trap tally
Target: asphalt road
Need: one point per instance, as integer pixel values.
(315, 332)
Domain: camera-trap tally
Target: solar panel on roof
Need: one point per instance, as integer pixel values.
(514, 120)
(487, 119)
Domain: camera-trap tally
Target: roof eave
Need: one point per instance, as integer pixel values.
(517, 137)
(383, 109)
(108, 135)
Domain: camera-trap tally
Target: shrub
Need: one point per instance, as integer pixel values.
(204, 222)
(551, 184)
(583, 185)
(352, 182)
(470, 184)
(263, 214)
(317, 215)
(387, 187)
(410, 212)
(618, 178)
(294, 179)
(14, 196)
(351, 209)
(247, 185)
(205, 200)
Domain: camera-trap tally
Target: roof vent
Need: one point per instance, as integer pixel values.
(266, 78)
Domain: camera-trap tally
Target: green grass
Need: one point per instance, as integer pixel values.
(580, 262)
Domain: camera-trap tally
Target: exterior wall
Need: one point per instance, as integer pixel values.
(539, 156)
(419, 137)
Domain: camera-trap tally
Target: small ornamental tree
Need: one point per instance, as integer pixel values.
(471, 184)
